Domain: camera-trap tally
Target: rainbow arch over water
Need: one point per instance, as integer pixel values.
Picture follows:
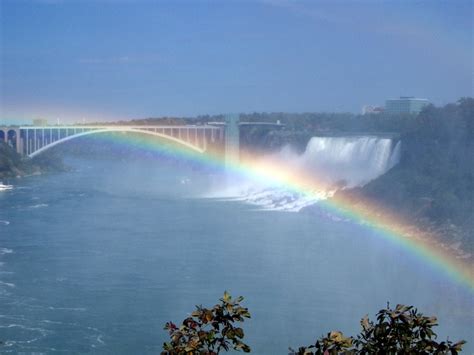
(388, 225)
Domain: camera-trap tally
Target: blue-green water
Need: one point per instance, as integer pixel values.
(96, 261)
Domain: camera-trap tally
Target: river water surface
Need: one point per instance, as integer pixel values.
(97, 260)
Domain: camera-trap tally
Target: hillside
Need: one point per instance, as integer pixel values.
(13, 165)
(433, 185)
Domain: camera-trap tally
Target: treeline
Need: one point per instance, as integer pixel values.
(299, 128)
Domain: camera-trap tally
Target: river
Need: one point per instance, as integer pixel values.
(96, 260)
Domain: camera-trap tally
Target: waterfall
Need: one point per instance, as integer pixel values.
(350, 161)
(335, 163)
(395, 157)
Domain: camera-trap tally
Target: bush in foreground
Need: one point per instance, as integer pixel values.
(209, 331)
(397, 331)
(402, 330)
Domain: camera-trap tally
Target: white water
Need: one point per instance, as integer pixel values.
(345, 161)
(337, 162)
(5, 187)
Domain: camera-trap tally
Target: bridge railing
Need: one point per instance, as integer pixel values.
(32, 139)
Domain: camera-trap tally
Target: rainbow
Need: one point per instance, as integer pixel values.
(387, 224)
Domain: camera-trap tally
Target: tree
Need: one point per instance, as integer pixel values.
(209, 331)
(402, 330)
(397, 331)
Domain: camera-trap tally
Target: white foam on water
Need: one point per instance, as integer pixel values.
(9, 284)
(4, 251)
(5, 187)
(75, 309)
(39, 205)
(278, 199)
(337, 162)
(21, 326)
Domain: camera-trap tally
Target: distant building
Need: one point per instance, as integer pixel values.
(369, 109)
(40, 122)
(405, 104)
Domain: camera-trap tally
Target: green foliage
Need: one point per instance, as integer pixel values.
(13, 164)
(402, 330)
(397, 331)
(434, 182)
(10, 161)
(332, 344)
(209, 331)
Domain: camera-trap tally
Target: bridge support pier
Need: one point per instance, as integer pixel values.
(232, 140)
(19, 142)
(11, 136)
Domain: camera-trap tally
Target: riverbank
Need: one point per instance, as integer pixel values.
(422, 212)
(455, 239)
(12, 165)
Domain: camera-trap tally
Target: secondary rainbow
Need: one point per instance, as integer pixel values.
(388, 225)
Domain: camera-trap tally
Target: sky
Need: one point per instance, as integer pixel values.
(106, 60)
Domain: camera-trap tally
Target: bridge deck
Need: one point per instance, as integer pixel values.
(121, 126)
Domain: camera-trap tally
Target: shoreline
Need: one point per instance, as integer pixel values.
(444, 236)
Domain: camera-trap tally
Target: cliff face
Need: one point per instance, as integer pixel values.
(433, 185)
(13, 165)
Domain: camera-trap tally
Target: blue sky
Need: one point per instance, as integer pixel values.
(108, 59)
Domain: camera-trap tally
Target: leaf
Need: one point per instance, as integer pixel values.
(239, 332)
(365, 322)
(208, 316)
(458, 346)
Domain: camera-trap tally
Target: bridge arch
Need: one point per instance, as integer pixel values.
(118, 129)
(3, 135)
(12, 137)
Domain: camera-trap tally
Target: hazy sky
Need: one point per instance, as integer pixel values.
(125, 59)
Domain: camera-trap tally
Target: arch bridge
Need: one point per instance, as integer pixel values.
(33, 140)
